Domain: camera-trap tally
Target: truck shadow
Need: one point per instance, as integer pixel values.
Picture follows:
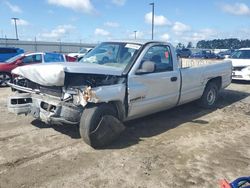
(70, 130)
(164, 121)
(158, 123)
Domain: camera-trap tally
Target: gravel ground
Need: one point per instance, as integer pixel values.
(183, 147)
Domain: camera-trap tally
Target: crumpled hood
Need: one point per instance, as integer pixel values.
(54, 74)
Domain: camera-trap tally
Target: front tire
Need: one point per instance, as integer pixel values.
(209, 96)
(99, 125)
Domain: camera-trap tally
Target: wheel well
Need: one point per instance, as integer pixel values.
(217, 81)
(117, 105)
(119, 108)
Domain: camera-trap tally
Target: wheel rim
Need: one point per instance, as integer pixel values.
(211, 96)
(4, 79)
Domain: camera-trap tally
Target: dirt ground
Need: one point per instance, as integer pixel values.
(183, 147)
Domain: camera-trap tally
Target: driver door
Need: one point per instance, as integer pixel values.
(154, 91)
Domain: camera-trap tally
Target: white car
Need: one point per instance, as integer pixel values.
(241, 64)
(102, 55)
(81, 53)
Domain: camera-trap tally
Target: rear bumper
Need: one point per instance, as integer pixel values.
(240, 75)
(50, 111)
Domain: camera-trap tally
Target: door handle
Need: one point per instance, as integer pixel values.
(173, 79)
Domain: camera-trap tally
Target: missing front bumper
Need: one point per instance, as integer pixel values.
(45, 109)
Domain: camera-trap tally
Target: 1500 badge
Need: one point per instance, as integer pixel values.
(137, 99)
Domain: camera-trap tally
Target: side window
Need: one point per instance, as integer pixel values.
(33, 59)
(49, 57)
(161, 56)
(245, 54)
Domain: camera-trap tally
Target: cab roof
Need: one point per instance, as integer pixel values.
(142, 42)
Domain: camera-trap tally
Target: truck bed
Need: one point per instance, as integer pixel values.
(187, 62)
(196, 73)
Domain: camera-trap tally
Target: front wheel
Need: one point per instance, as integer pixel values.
(209, 96)
(99, 125)
(5, 78)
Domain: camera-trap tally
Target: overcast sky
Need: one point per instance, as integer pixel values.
(100, 20)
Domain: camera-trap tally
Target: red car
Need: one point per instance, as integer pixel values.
(27, 59)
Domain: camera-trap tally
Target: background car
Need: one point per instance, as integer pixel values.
(102, 55)
(205, 54)
(28, 59)
(80, 54)
(241, 64)
(183, 53)
(6, 53)
(225, 54)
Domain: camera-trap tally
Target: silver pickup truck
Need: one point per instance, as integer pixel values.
(117, 81)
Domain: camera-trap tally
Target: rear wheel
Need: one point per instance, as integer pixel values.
(209, 96)
(99, 125)
(5, 78)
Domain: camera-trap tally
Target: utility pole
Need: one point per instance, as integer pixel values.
(15, 19)
(35, 45)
(135, 34)
(153, 17)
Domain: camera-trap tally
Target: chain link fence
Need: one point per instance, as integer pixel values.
(42, 46)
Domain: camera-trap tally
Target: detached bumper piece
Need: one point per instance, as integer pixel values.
(20, 104)
(48, 111)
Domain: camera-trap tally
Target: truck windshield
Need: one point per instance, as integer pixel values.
(112, 54)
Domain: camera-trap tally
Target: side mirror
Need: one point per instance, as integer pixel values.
(19, 62)
(146, 67)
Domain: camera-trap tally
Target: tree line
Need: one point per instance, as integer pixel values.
(232, 43)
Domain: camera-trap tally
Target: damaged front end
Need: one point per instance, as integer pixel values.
(64, 104)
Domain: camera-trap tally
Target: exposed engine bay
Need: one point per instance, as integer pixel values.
(64, 104)
(72, 81)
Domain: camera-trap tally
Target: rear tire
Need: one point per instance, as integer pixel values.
(90, 124)
(209, 96)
